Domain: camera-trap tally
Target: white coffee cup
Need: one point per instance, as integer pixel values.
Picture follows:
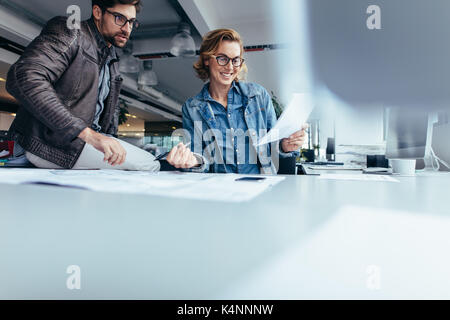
(403, 166)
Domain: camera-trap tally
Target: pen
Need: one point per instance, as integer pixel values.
(163, 155)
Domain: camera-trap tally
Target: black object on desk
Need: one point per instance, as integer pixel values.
(330, 151)
(377, 161)
(251, 179)
(308, 154)
(165, 166)
(287, 166)
(161, 156)
(325, 163)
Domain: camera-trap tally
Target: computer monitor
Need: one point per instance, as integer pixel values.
(406, 62)
(408, 134)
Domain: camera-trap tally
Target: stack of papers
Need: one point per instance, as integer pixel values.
(214, 187)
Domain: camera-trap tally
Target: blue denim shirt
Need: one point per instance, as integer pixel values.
(231, 122)
(250, 111)
(103, 88)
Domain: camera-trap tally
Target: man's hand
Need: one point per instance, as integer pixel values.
(295, 140)
(182, 157)
(113, 151)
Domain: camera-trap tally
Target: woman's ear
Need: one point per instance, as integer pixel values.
(206, 62)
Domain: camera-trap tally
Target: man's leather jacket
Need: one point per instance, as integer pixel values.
(56, 84)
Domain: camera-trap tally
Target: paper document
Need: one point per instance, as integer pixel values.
(358, 177)
(333, 168)
(212, 187)
(291, 120)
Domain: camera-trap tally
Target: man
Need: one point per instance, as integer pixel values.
(68, 85)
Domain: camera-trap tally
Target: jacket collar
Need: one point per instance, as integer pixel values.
(102, 48)
(246, 90)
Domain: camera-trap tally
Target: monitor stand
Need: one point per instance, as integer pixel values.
(431, 164)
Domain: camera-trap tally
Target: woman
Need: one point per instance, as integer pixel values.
(228, 116)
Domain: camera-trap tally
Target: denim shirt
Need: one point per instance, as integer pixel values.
(231, 122)
(103, 93)
(104, 80)
(250, 110)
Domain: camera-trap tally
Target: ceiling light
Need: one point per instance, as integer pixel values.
(147, 77)
(128, 63)
(183, 44)
(2, 80)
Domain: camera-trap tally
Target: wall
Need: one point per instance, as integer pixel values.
(5, 120)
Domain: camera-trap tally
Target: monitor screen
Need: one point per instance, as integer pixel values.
(407, 134)
(397, 55)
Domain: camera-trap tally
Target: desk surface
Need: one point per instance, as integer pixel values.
(146, 247)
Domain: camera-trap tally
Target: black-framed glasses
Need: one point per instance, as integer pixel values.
(223, 60)
(121, 20)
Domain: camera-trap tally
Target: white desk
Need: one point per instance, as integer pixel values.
(278, 245)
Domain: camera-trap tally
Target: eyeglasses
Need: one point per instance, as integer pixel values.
(121, 20)
(223, 60)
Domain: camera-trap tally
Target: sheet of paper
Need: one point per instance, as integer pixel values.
(212, 187)
(333, 168)
(291, 120)
(358, 177)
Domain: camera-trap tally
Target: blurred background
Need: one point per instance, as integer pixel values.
(322, 47)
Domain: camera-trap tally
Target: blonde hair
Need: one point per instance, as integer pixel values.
(210, 45)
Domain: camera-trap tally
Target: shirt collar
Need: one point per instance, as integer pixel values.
(207, 96)
(235, 87)
(108, 52)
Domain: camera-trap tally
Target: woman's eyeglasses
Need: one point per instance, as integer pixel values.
(223, 60)
(121, 20)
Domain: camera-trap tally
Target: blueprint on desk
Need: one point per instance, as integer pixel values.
(213, 187)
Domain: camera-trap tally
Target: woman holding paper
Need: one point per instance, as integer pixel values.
(227, 118)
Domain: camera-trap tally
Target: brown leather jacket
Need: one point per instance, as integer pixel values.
(56, 84)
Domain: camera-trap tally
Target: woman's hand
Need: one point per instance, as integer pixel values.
(182, 157)
(295, 140)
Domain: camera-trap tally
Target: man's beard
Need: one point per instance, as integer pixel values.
(113, 41)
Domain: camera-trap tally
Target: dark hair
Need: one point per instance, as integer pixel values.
(106, 4)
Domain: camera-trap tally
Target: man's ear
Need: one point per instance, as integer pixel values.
(97, 12)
